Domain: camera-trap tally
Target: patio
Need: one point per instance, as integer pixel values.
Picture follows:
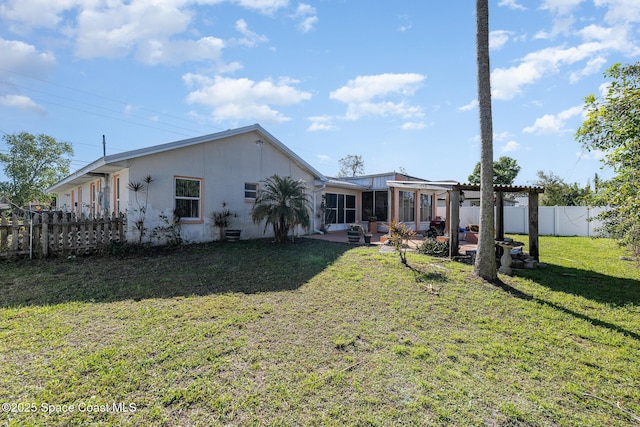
(340, 236)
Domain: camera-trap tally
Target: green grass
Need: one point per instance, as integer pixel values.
(318, 333)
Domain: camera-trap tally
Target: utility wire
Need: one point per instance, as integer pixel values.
(100, 107)
(105, 97)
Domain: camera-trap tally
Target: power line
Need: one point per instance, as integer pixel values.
(100, 107)
(109, 117)
(106, 98)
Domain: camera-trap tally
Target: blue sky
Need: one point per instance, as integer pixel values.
(393, 81)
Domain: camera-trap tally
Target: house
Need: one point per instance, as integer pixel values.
(369, 197)
(196, 176)
(193, 176)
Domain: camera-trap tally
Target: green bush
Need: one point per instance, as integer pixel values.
(434, 248)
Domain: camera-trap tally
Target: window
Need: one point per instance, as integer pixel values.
(250, 190)
(188, 200)
(426, 204)
(407, 206)
(340, 208)
(375, 203)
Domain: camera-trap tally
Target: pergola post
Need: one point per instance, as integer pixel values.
(395, 206)
(454, 222)
(534, 249)
(499, 215)
(416, 210)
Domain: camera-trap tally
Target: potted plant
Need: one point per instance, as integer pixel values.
(222, 219)
(367, 238)
(354, 232)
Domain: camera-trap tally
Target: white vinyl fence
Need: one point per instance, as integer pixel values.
(552, 220)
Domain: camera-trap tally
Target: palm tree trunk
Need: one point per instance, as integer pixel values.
(485, 266)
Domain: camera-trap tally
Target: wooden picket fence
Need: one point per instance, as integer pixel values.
(58, 233)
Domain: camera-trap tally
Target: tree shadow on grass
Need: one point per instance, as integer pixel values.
(249, 267)
(587, 284)
(523, 295)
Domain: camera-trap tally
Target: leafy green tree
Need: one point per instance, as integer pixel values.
(559, 193)
(34, 163)
(612, 126)
(351, 165)
(485, 266)
(283, 204)
(505, 171)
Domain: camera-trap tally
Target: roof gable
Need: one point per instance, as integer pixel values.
(114, 162)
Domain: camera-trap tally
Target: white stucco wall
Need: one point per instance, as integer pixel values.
(223, 166)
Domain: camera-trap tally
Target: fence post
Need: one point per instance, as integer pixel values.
(4, 233)
(35, 233)
(55, 231)
(99, 219)
(121, 221)
(45, 234)
(66, 229)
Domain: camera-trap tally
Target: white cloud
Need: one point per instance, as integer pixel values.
(321, 123)
(598, 43)
(35, 13)
(263, 6)
(155, 52)
(498, 38)
(512, 4)
(324, 159)
(470, 106)
(306, 14)
(21, 102)
(592, 67)
(510, 146)
(508, 82)
(153, 31)
(250, 38)
(560, 7)
(244, 99)
(307, 24)
(620, 11)
(405, 23)
(117, 30)
(502, 136)
(359, 95)
(413, 126)
(130, 108)
(550, 124)
(23, 58)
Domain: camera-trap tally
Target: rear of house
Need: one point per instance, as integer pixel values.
(191, 178)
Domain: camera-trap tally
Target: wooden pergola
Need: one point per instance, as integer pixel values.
(453, 191)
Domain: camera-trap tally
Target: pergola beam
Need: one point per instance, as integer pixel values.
(453, 190)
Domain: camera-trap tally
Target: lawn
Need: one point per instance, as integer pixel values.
(318, 333)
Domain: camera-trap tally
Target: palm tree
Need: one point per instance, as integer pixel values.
(485, 266)
(283, 203)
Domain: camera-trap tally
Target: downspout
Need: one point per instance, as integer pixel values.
(315, 206)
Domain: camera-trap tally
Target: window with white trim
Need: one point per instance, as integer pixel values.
(188, 198)
(250, 190)
(340, 208)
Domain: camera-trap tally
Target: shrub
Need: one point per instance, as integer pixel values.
(434, 248)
